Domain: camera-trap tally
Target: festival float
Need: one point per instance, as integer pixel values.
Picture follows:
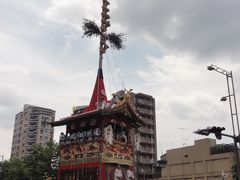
(99, 138)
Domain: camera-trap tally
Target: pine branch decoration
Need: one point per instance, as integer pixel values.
(116, 40)
(90, 28)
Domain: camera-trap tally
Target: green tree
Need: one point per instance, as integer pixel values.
(234, 171)
(44, 161)
(15, 169)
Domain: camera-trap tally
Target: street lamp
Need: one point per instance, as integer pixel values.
(224, 98)
(231, 96)
(233, 109)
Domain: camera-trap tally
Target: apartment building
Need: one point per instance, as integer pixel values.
(31, 127)
(205, 160)
(146, 155)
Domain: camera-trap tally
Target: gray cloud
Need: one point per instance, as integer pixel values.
(204, 28)
(10, 102)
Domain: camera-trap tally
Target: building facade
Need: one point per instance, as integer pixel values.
(205, 160)
(146, 154)
(31, 127)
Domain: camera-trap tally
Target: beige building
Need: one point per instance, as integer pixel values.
(146, 155)
(31, 127)
(204, 160)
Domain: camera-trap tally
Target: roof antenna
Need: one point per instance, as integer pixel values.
(184, 143)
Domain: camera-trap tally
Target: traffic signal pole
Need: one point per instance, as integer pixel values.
(236, 140)
(237, 157)
(218, 133)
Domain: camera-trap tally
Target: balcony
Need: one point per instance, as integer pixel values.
(149, 121)
(144, 111)
(150, 171)
(146, 140)
(30, 144)
(33, 123)
(32, 128)
(146, 161)
(147, 150)
(31, 139)
(144, 102)
(146, 130)
(146, 171)
(31, 133)
(29, 148)
(33, 116)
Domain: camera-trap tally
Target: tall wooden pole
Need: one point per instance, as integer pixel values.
(105, 23)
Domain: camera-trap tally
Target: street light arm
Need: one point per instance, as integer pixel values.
(230, 86)
(219, 70)
(215, 130)
(228, 135)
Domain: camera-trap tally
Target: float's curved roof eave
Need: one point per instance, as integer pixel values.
(124, 111)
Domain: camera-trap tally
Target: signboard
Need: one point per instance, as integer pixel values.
(118, 152)
(80, 152)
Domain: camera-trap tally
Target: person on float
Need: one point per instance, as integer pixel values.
(118, 175)
(130, 174)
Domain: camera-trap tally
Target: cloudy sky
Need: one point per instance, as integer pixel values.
(44, 60)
